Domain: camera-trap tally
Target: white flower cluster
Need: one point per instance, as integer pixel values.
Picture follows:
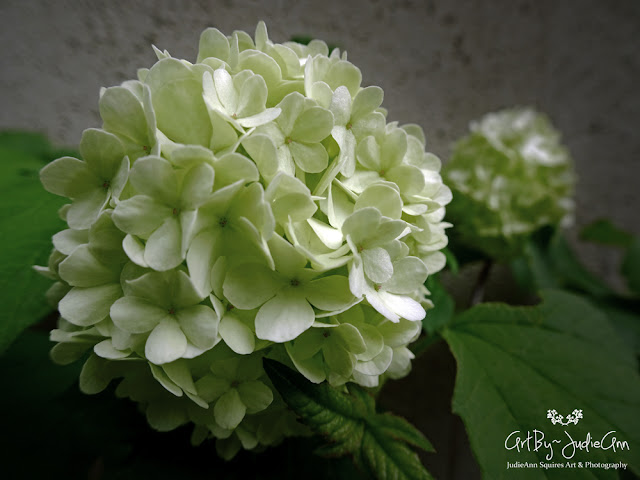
(255, 203)
(510, 176)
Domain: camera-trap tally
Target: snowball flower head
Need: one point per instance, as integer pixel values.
(253, 204)
(510, 176)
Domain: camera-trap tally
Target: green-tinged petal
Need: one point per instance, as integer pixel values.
(88, 306)
(102, 151)
(291, 106)
(229, 409)
(201, 258)
(165, 416)
(67, 353)
(249, 285)
(155, 177)
(261, 118)
(225, 91)
(400, 365)
(105, 241)
(66, 241)
(188, 156)
(163, 250)
(263, 151)
(329, 293)
(312, 368)
(399, 334)
(166, 343)
(67, 177)
(383, 197)
(368, 154)
(86, 208)
(360, 180)
(233, 167)
(213, 43)
(288, 260)
(237, 335)
(307, 344)
(82, 269)
(166, 289)
(338, 359)
(312, 126)
(252, 98)
(140, 215)
(176, 92)
(350, 338)
(329, 236)
(248, 439)
(211, 388)
(409, 274)
(285, 160)
(341, 106)
(284, 317)
(361, 224)
(255, 395)
(378, 365)
(393, 148)
(263, 65)
(366, 101)
(123, 114)
(134, 249)
(297, 206)
(95, 375)
(311, 158)
(373, 340)
(408, 178)
(377, 264)
(339, 207)
(136, 314)
(105, 349)
(200, 324)
(180, 374)
(225, 135)
(344, 73)
(196, 186)
(163, 379)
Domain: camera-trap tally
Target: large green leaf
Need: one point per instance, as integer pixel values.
(378, 443)
(549, 262)
(28, 219)
(516, 363)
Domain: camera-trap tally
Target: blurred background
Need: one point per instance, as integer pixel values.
(441, 64)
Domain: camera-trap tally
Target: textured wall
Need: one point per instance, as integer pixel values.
(441, 64)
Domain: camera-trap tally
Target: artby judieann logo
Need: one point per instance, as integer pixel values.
(558, 452)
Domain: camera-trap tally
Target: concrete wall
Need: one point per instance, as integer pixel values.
(441, 64)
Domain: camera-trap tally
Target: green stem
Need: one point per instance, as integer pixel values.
(478, 292)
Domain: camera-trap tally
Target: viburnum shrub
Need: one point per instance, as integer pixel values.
(253, 204)
(509, 177)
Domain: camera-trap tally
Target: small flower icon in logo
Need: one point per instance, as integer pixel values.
(574, 417)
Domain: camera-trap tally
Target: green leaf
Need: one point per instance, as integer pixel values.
(378, 443)
(32, 143)
(28, 220)
(516, 363)
(549, 262)
(606, 233)
(444, 306)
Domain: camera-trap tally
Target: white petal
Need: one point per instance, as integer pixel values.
(284, 317)
(166, 343)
